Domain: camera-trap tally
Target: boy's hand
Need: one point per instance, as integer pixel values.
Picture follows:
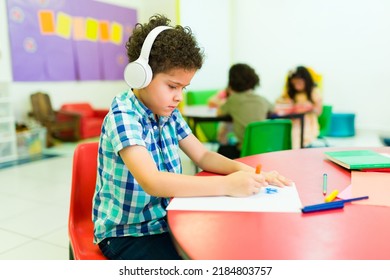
(242, 183)
(274, 178)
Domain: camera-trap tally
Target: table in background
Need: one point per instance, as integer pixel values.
(202, 113)
(357, 232)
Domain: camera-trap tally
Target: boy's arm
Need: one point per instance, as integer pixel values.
(216, 163)
(166, 184)
(222, 109)
(208, 160)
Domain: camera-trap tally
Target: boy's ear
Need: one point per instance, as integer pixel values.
(138, 74)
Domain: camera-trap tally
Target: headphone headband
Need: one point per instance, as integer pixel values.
(149, 40)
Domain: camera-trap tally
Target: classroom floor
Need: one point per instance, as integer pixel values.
(34, 201)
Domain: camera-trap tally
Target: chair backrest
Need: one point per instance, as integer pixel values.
(207, 132)
(41, 107)
(324, 120)
(80, 225)
(317, 77)
(84, 109)
(267, 136)
(199, 97)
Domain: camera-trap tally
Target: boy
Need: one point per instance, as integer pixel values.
(243, 105)
(139, 165)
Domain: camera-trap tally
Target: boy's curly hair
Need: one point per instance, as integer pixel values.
(242, 77)
(173, 48)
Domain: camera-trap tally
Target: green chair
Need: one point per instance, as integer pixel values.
(324, 120)
(210, 129)
(199, 97)
(267, 136)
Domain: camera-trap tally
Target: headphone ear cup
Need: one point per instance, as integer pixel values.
(138, 74)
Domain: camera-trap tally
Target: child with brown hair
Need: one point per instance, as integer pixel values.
(139, 166)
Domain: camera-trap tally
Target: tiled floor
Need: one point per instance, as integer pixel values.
(34, 202)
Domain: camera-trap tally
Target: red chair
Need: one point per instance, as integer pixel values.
(91, 119)
(61, 125)
(80, 225)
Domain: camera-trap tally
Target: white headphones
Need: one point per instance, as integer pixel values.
(138, 73)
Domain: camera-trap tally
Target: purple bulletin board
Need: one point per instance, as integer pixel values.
(65, 40)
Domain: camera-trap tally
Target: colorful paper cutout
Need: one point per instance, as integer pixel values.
(64, 25)
(104, 31)
(78, 28)
(46, 22)
(65, 40)
(92, 28)
(116, 33)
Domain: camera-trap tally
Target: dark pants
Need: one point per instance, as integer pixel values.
(149, 247)
(229, 151)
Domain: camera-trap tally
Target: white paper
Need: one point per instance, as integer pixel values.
(269, 199)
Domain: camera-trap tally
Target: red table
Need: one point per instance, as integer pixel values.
(355, 232)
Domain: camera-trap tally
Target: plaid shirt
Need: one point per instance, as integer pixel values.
(120, 206)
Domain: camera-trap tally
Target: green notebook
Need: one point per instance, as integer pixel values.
(359, 159)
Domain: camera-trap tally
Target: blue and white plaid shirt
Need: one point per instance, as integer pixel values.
(120, 206)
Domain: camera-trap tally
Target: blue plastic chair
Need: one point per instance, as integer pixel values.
(342, 125)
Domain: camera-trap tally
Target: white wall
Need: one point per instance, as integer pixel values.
(211, 26)
(98, 93)
(148, 8)
(164, 7)
(347, 41)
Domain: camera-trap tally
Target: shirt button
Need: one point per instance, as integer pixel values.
(154, 127)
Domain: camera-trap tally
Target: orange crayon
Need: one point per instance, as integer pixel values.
(258, 169)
